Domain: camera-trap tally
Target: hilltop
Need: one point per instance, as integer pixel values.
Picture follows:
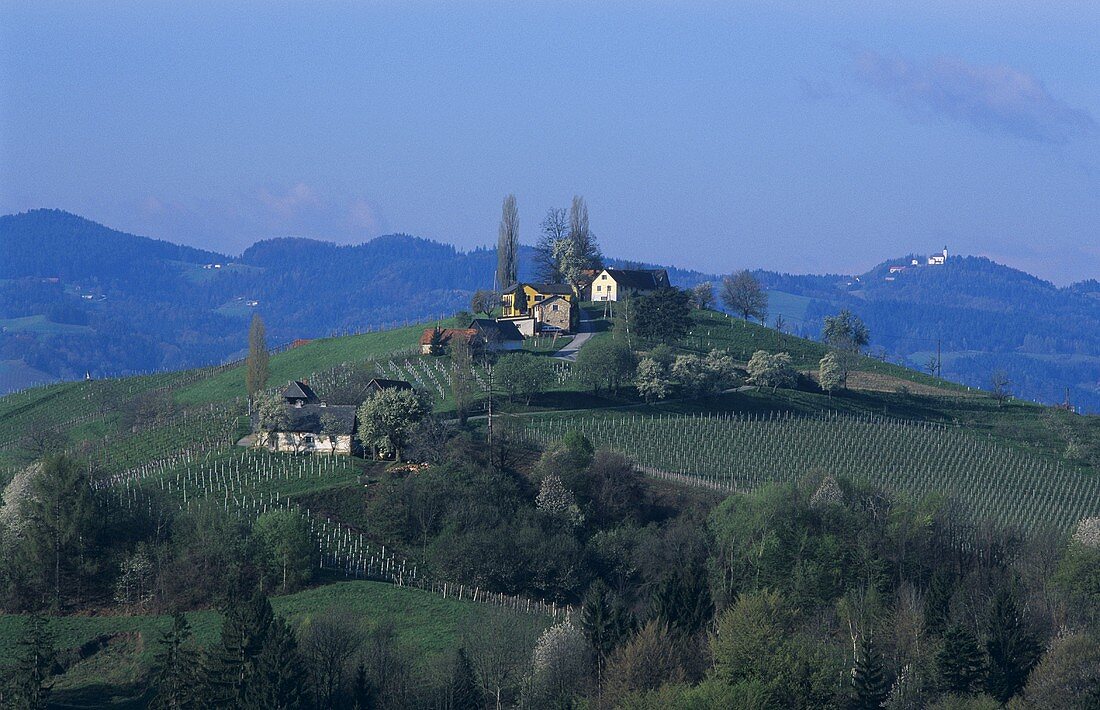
(73, 306)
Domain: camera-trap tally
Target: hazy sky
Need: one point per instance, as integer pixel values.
(801, 136)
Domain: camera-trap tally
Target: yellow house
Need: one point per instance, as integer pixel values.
(617, 284)
(519, 301)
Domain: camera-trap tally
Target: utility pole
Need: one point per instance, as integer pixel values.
(490, 370)
(939, 359)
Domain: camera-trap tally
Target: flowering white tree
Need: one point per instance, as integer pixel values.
(560, 666)
(17, 494)
(557, 500)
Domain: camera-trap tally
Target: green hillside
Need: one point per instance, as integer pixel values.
(165, 445)
(426, 624)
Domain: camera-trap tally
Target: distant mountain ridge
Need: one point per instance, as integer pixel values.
(89, 299)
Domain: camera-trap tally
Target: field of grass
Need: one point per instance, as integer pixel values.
(741, 339)
(120, 649)
(791, 306)
(41, 324)
(299, 362)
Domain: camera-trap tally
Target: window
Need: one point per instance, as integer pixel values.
(603, 276)
(555, 307)
(599, 287)
(538, 296)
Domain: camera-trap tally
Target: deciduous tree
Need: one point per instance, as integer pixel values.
(388, 419)
(770, 370)
(605, 364)
(1001, 386)
(484, 301)
(555, 227)
(522, 375)
(286, 548)
(653, 379)
(830, 373)
(845, 331)
(463, 383)
(702, 294)
(742, 293)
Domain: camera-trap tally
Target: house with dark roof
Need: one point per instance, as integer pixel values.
(311, 425)
(617, 284)
(498, 334)
(378, 384)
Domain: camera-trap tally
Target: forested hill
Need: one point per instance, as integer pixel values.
(77, 297)
(52, 243)
(983, 316)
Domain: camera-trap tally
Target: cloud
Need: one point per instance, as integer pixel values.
(298, 199)
(996, 99)
(231, 223)
(362, 215)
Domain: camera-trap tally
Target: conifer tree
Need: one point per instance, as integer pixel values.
(257, 371)
(937, 602)
(63, 523)
(174, 680)
(363, 696)
(961, 662)
(684, 600)
(869, 686)
(229, 664)
(1013, 649)
(28, 683)
(276, 678)
(465, 691)
(605, 622)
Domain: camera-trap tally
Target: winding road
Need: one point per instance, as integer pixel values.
(584, 334)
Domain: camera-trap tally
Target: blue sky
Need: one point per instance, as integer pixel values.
(797, 136)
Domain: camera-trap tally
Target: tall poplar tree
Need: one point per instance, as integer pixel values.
(256, 376)
(508, 244)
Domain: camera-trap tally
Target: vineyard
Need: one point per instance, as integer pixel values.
(911, 458)
(250, 483)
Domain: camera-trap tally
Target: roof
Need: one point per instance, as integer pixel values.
(384, 384)
(299, 390)
(497, 329)
(562, 289)
(559, 289)
(642, 279)
(447, 334)
(310, 418)
(552, 299)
